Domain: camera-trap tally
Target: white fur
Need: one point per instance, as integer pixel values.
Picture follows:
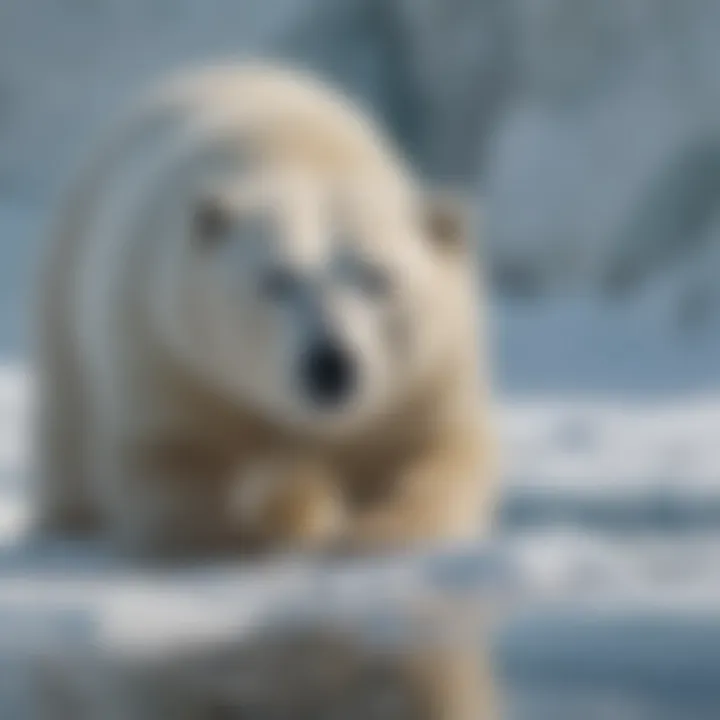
(156, 328)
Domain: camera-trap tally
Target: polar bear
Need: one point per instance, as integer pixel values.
(257, 329)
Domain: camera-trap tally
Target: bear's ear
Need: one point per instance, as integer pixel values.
(211, 220)
(446, 221)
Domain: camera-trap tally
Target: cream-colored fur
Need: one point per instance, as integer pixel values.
(164, 400)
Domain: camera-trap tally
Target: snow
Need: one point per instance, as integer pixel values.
(601, 575)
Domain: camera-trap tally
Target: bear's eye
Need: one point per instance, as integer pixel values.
(211, 222)
(280, 284)
(373, 281)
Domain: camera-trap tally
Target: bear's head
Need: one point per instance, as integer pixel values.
(321, 292)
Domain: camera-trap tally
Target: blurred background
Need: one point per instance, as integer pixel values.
(587, 135)
(586, 130)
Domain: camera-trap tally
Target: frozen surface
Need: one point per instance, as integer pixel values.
(608, 551)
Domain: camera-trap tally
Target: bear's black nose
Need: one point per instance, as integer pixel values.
(328, 374)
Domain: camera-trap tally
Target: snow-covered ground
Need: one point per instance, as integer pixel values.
(607, 551)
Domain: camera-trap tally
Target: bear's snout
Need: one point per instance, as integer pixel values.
(328, 374)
